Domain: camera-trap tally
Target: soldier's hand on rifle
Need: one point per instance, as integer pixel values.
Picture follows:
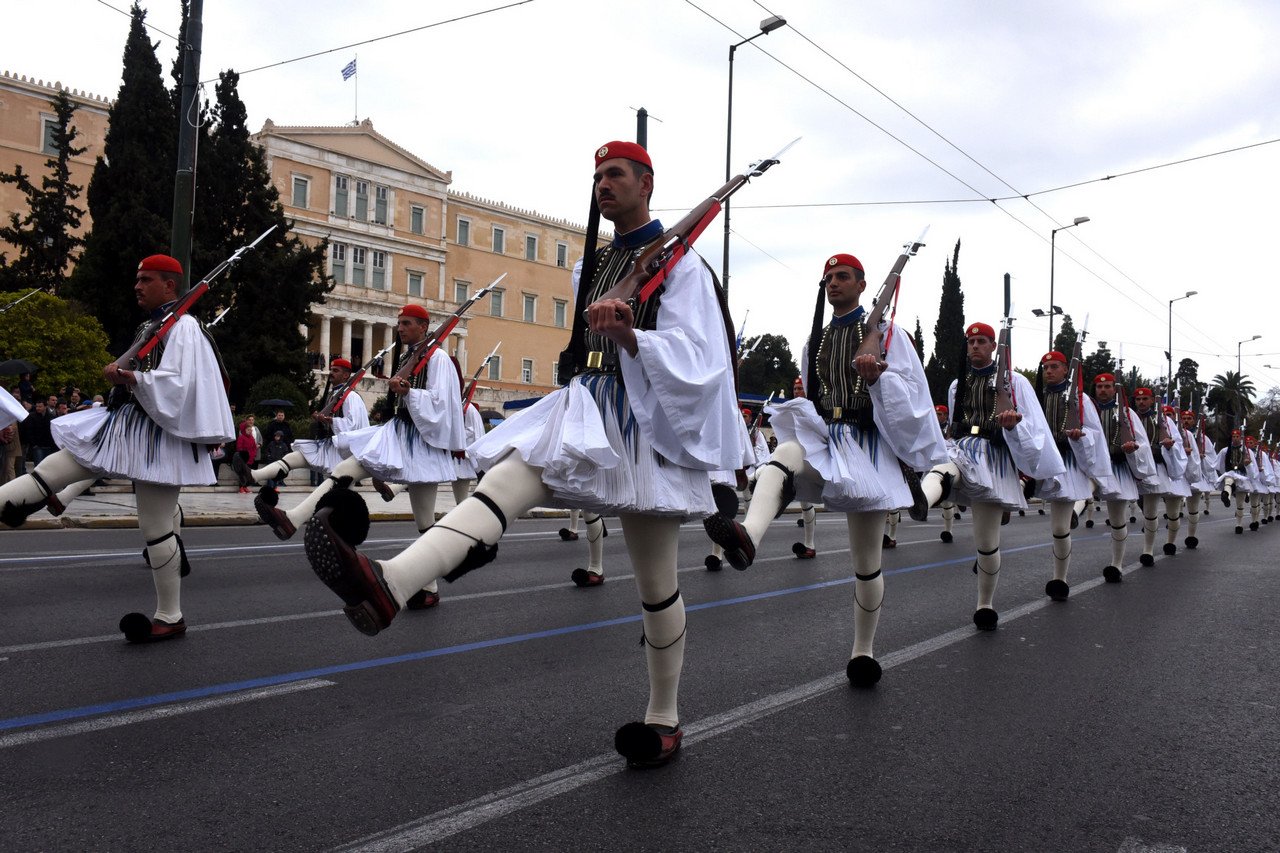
(1009, 418)
(1166, 443)
(1075, 434)
(322, 418)
(797, 389)
(614, 319)
(869, 367)
(1129, 446)
(117, 376)
(400, 385)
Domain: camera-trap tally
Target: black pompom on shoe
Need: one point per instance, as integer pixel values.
(946, 536)
(646, 745)
(801, 552)
(863, 671)
(713, 563)
(568, 535)
(1191, 542)
(1112, 574)
(1239, 529)
(1057, 590)
(1147, 560)
(350, 518)
(985, 619)
(1089, 523)
(1253, 525)
(1170, 549)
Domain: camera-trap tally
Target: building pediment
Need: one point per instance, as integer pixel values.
(359, 142)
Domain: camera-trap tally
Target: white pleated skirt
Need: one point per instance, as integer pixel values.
(464, 468)
(847, 468)
(1071, 485)
(127, 444)
(1158, 485)
(321, 455)
(592, 456)
(987, 474)
(1126, 488)
(395, 452)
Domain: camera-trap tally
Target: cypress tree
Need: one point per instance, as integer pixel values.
(1065, 340)
(131, 192)
(45, 237)
(948, 332)
(919, 341)
(272, 290)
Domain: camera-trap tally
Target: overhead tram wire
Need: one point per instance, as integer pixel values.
(130, 15)
(380, 38)
(1027, 196)
(983, 196)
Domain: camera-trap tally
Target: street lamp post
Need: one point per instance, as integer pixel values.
(1169, 354)
(1238, 346)
(767, 26)
(1079, 220)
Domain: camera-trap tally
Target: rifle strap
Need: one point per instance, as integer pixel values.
(576, 352)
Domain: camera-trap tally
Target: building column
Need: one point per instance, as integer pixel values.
(388, 335)
(346, 337)
(322, 337)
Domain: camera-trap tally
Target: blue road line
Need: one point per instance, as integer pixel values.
(66, 714)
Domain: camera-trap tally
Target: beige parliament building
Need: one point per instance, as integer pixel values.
(396, 232)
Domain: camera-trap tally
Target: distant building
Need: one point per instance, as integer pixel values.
(26, 138)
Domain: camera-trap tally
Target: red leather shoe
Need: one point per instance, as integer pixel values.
(274, 517)
(568, 535)
(647, 745)
(423, 599)
(586, 577)
(803, 553)
(138, 628)
(354, 577)
(384, 490)
(739, 550)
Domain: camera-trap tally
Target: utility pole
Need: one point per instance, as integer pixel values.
(184, 180)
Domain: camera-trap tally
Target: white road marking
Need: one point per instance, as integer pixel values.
(162, 712)
(1137, 845)
(445, 823)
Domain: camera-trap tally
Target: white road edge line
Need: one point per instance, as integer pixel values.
(445, 823)
(162, 712)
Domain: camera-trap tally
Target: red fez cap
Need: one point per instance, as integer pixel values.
(1168, 410)
(942, 410)
(1104, 377)
(747, 411)
(1053, 356)
(1235, 433)
(340, 362)
(1248, 439)
(625, 150)
(976, 329)
(845, 260)
(415, 311)
(1142, 392)
(161, 263)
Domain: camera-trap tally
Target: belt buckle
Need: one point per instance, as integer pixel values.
(595, 359)
(975, 430)
(837, 413)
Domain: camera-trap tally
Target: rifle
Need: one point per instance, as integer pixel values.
(429, 344)
(743, 356)
(156, 331)
(471, 386)
(340, 393)
(1126, 423)
(1075, 381)
(21, 298)
(874, 342)
(216, 320)
(759, 419)
(1006, 397)
(650, 268)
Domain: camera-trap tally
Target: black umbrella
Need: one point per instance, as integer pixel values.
(284, 404)
(15, 366)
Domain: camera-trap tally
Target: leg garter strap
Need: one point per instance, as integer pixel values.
(869, 577)
(788, 485)
(1066, 535)
(480, 554)
(662, 605)
(989, 553)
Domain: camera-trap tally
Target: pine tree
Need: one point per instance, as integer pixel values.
(45, 237)
(131, 193)
(771, 367)
(948, 333)
(272, 290)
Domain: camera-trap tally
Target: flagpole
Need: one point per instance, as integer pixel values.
(355, 120)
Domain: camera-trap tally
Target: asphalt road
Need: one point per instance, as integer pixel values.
(1137, 717)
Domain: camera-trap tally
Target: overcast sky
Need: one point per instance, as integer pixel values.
(1035, 94)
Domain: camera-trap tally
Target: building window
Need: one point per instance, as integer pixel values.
(461, 290)
(464, 232)
(562, 312)
(338, 253)
(362, 201)
(380, 205)
(417, 219)
(530, 247)
(499, 240)
(495, 367)
(301, 188)
(562, 255)
(530, 308)
(495, 302)
(555, 373)
(379, 279)
(526, 371)
(48, 132)
(357, 265)
(340, 183)
(415, 284)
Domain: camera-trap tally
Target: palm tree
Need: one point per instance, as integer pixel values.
(1231, 395)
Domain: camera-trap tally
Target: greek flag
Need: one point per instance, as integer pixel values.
(349, 70)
